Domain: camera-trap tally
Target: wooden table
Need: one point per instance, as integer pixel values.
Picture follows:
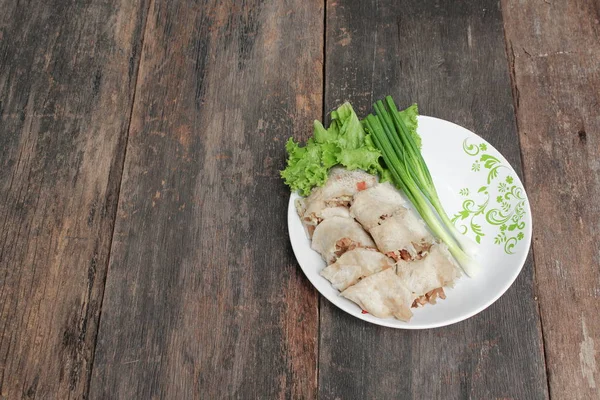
(144, 249)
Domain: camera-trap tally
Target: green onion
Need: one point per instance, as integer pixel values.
(423, 178)
(410, 173)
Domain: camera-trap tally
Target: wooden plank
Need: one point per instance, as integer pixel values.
(554, 50)
(67, 75)
(203, 297)
(450, 58)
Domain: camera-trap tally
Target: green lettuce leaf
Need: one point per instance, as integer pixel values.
(330, 154)
(409, 117)
(362, 158)
(351, 132)
(305, 169)
(385, 176)
(323, 135)
(345, 143)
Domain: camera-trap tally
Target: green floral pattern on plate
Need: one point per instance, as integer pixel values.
(502, 215)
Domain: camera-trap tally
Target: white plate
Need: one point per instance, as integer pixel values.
(475, 183)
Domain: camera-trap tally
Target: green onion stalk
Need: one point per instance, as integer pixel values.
(422, 175)
(411, 175)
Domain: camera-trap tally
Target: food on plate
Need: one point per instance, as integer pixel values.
(335, 235)
(383, 295)
(373, 205)
(372, 211)
(333, 198)
(310, 223)
(396, 229)
(354, 265)
(432, 272)
(402, 236)
(420, 267)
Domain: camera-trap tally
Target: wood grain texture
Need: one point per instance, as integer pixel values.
(203, 297)
(450, 58)
(554, 50)
(67, 74)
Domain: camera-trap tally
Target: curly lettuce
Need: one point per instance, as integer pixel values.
(409, 117)
(344, 142)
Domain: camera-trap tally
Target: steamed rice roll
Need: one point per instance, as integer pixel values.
(371, 206)
(335, 235)
(382, 295)
(337, 193)
(355, 265)
(434, 271)
(310, 225)
(402, 236)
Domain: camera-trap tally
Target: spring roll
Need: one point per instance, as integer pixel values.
(337, 193)
(336, 235)
(355, 265)
(435, 270)
(402, 236)
(382, 295)
(371, 206)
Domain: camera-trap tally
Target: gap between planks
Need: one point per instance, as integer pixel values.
(118, 196)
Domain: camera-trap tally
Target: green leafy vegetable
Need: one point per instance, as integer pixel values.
(344, 142)
(409, 117)
(305, 167)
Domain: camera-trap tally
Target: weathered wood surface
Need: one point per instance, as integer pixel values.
(554, 51)
(204, 298)
(67, 78)
(450, 58)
